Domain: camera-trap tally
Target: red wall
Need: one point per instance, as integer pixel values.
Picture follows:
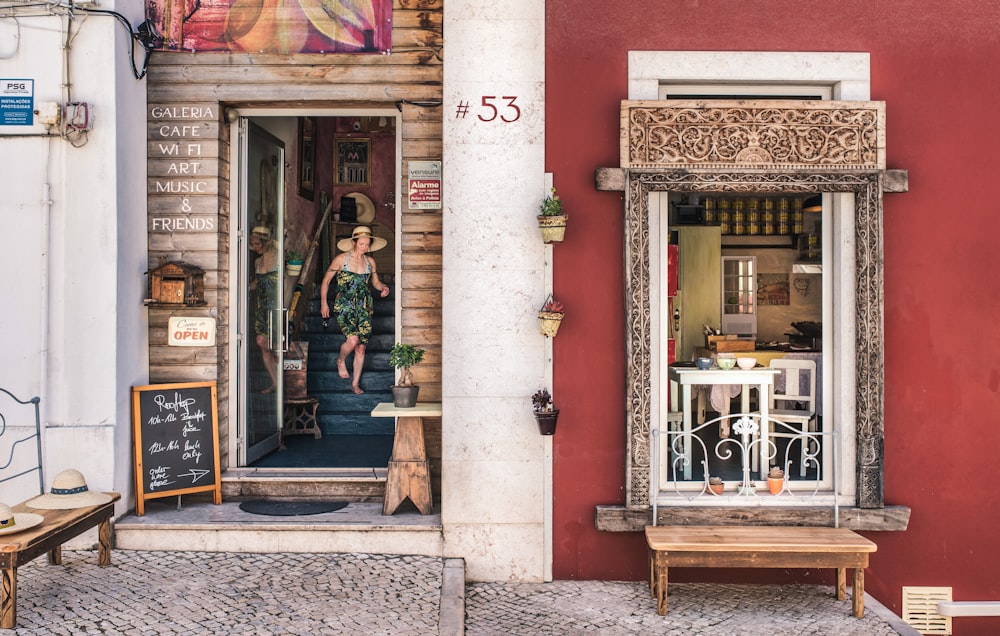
(934, 66)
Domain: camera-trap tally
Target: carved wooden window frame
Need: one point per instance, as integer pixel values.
(655, 159)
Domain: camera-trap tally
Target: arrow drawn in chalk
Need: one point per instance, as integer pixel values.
(195, 474)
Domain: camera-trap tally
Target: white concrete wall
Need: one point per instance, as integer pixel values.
(496, 468)
(74, 325)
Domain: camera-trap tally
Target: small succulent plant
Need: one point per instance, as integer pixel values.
(542, 401)
(776, 473)
(551, 205)
(552, 305)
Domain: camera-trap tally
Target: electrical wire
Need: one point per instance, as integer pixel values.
(134, 37)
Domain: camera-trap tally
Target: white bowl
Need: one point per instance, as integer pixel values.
(746, 363)
(725, 363)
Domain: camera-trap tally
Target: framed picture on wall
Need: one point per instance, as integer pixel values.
(307, 154)
(352, 161)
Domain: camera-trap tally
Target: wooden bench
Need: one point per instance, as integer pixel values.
(57, 527)
(758, 547)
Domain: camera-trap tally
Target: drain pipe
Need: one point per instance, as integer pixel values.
(45, 284)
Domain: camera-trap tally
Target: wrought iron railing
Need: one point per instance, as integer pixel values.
(690, 460)
(8, 442)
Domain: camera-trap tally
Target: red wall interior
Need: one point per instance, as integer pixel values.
(932, 63)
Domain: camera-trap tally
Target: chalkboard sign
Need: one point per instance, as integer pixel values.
(176, 441)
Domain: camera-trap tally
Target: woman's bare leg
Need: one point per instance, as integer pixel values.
(345, 350)
(359, 362)
(270, 362)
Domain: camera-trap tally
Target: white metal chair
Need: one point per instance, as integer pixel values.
(791, 373)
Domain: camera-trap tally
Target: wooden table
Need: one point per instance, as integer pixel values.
(761, 377)
(409, 472)
(758, 547)
(57, 527)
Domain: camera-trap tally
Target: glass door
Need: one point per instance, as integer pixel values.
(739, 295)
(263, 320)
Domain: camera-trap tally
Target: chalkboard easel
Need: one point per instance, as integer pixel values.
(175, 428)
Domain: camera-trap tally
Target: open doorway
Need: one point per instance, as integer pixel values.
(340, 171)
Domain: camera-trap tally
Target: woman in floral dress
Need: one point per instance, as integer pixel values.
(354, 270)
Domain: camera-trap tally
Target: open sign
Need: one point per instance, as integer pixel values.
(183, 331)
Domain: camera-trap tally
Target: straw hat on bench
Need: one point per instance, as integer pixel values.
(69, 490)
(11, 522)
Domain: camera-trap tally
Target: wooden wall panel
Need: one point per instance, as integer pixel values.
(189, 173)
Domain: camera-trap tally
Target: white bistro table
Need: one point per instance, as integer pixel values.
(687, 377)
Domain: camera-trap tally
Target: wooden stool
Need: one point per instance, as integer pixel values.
(300, 418)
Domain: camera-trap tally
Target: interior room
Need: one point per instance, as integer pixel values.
(746, 286)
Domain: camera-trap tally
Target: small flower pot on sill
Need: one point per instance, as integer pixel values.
(716, 485)
(293, 268)
(775, 485)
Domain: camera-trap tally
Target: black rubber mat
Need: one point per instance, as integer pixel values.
(290, 508)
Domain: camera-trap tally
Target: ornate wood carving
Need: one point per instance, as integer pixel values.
(803, 147)
(760, 134)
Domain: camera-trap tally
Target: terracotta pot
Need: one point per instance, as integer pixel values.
(717, 488)
(775, 484)
(553, 228)
(547, 422)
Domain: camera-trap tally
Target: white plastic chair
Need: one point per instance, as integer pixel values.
(792, 371)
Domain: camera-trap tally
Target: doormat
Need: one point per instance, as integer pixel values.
(290, 508)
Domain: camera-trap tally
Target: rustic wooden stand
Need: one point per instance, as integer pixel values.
(57, 527)
(409, 472)
(300, 418)
(758, 547)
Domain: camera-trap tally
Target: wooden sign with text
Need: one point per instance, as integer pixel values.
(176, 441)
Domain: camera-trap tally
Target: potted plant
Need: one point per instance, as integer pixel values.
(550, 316)
(551, 219)
(546, 413)
(716, 485)
(747, 489)
(293, 262)
(403, 356)
(775, 480)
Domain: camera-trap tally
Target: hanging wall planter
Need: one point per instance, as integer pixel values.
(546, 414)
(550, 317)
(551, 220)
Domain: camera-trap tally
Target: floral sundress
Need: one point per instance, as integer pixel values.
(353, 306)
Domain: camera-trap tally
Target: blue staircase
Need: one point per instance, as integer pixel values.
(341, 412)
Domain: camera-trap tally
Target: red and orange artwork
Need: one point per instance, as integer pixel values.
(272, 26)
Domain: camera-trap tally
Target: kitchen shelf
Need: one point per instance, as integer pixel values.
(786, 241)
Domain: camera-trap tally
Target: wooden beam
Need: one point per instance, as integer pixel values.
(612, 518)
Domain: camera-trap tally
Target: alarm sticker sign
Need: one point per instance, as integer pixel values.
(17, 102)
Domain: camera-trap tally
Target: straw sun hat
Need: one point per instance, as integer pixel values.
(347, 244)
(11, 522)
(69, 490)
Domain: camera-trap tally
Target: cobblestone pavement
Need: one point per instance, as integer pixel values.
(159, 593)
(570, 607)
